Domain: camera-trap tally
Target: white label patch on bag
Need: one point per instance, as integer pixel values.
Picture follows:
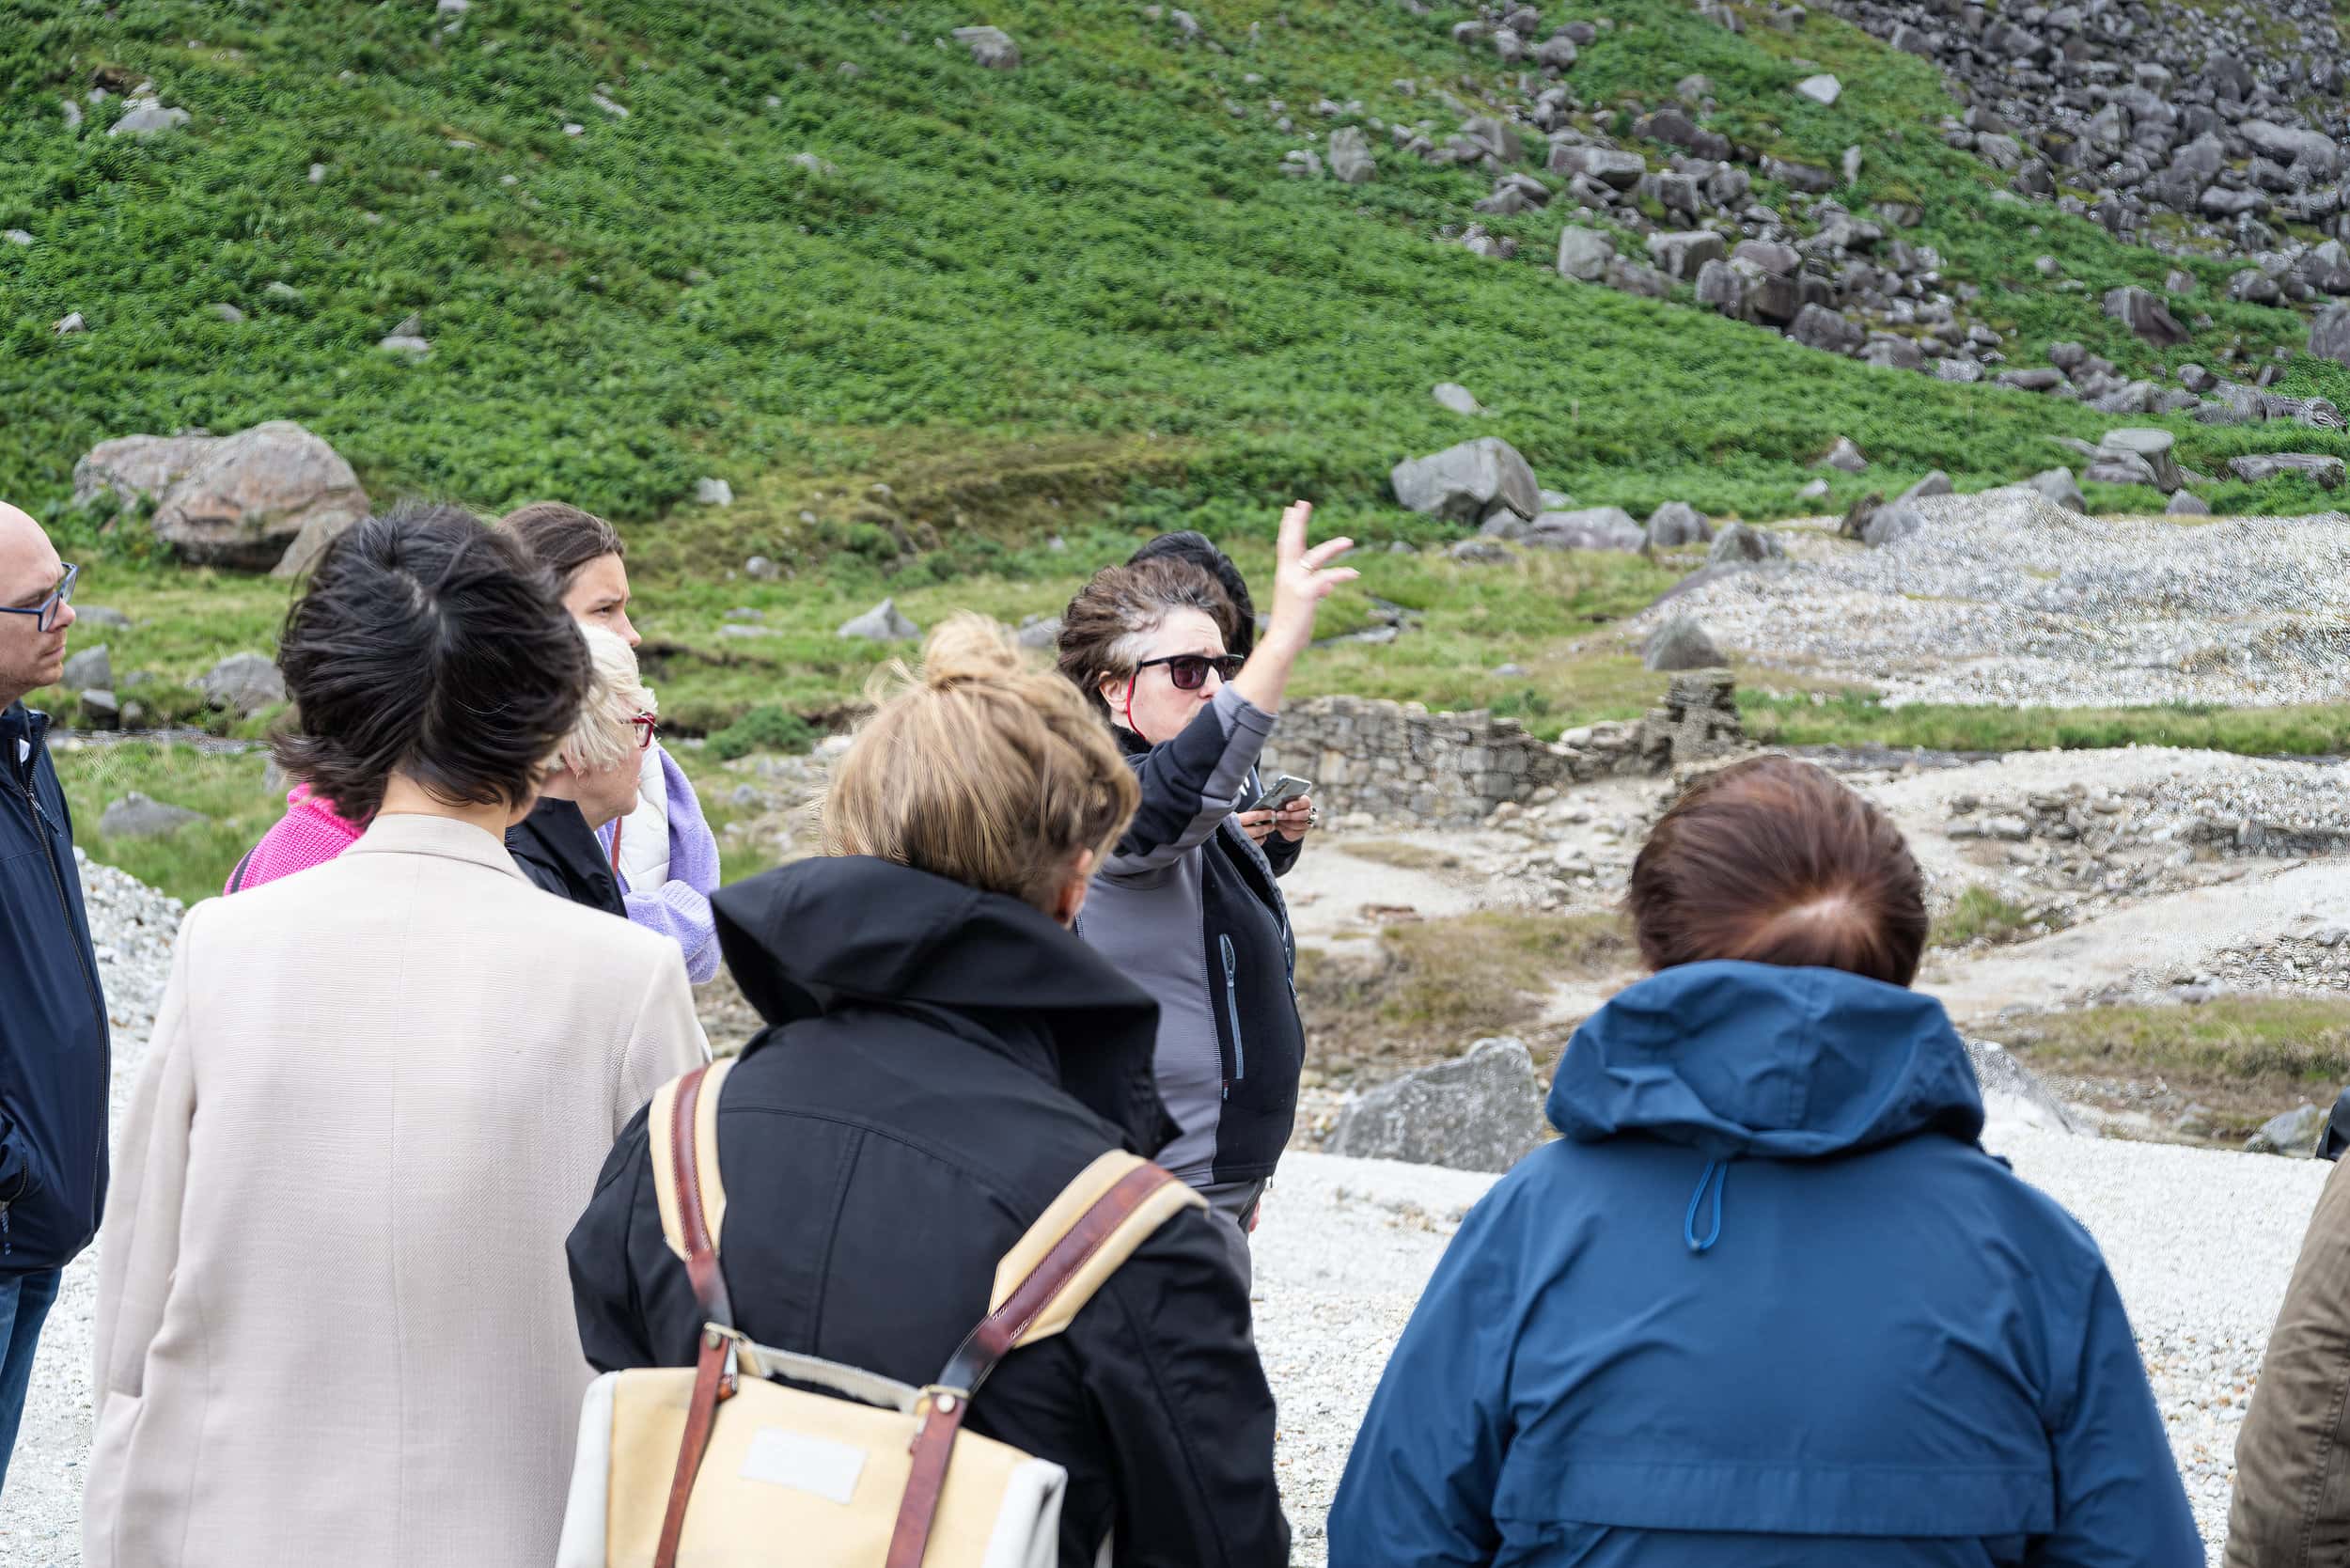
(816, 1466)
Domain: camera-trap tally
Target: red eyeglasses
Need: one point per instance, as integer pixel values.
(646, 724)
(1189, 671)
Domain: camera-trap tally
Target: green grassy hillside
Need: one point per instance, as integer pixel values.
(1090, 253)
(1052, 311)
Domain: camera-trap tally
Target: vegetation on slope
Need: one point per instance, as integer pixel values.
(1071, 304)
(1089, 247)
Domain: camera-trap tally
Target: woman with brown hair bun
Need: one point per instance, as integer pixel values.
(1766, 1301)
(942, 1057)
(1185, 904)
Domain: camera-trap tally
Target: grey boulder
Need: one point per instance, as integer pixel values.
(1823, 89)
(1452, 396)
(2295, 1133)
(135, 816)
(1818, 328)
(1590, 528)
(2326, 470)
(1462, 482)
(1683, 253)
(991, 47)
(91, 670)
(1738, 544)
(1584, 254)
(1677, 524)
(882, 624)
(244, 684)
(2145, 314)
(1482, 1111)
(2188, 504)
(1681, 643)
(1935, 483)
(2329, 335)
(145, 118)
(2057, 487)
(1350, 156)
(1894, 521)
(238, 501)
(2013, 1094)
(255, 494)
(1845, 456)
(2152, 447)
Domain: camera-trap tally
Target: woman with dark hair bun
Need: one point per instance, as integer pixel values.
(333, 1320)
(1766, 1301)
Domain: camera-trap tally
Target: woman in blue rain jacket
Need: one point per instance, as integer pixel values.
(1766, 1301)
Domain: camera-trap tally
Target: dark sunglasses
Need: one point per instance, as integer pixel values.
(45, 613)
(1189, 671)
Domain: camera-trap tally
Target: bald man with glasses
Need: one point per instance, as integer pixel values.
(54, 1045)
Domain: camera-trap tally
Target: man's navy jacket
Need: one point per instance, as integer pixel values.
(55, 1053)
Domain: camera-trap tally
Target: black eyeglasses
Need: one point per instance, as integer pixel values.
(46, 611)
(1189, 671)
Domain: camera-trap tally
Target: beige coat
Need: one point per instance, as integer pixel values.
(334, 1326)
(2292, 1502)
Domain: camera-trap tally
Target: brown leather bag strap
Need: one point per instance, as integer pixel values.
(945, 1403)
(714, 1370)
(713, 1381)
(701, 1251)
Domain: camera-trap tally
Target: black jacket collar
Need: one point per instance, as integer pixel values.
(826, 935)
(555, 848)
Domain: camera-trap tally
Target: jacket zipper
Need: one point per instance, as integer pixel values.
(65, 906)
(1232, 1008)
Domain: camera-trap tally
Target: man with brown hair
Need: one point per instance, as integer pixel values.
(55, 1052)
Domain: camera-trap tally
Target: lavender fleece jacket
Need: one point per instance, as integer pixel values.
(680, 907)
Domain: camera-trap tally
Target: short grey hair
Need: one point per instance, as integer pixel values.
(603, 737)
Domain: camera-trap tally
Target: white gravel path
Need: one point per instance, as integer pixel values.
(2202, 1242)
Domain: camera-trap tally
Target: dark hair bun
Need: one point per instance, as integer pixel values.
(428, 645)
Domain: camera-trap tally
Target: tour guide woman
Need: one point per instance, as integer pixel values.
(1185, 904)
(1766, 1301)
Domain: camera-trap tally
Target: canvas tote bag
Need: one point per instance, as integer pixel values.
(720, 1466)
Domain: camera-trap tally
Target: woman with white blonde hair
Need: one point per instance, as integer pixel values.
(591, 781)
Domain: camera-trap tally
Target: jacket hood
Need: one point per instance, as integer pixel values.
(1758, 1059)
(814, 936)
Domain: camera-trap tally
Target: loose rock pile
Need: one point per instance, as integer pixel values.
(2218, 115)
(2001, 598)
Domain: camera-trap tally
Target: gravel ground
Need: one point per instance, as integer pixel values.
(2202, 1244)
(2004, 599)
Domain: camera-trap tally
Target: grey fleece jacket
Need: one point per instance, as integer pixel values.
(1187, 907)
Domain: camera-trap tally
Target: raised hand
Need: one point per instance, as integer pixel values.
(1304, 577)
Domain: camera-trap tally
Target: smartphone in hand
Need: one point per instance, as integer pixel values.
(1280, 793)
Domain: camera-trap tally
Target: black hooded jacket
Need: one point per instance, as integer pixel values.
(556, 849)
(939, 1063)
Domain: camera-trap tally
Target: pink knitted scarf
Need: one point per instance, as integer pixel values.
(309, 834)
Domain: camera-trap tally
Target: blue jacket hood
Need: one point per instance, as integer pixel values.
(1758, 1059)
